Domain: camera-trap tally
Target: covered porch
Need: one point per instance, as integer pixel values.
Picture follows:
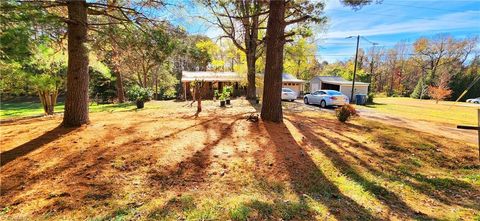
(213, 81)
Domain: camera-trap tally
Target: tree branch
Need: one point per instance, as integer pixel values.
(297, 20)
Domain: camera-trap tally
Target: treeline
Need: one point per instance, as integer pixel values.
(33, 56)
(108, 31)
(440, 67)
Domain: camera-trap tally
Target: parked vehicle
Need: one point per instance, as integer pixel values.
(288, 94)
(474, 100)
(326, 98)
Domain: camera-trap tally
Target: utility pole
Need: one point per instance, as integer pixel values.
(355, 65)
(355, 69)
(372, 64)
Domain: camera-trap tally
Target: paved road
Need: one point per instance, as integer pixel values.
(446, 130)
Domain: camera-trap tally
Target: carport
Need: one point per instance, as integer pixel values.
(338, 84)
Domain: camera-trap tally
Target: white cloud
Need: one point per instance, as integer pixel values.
(445, 23)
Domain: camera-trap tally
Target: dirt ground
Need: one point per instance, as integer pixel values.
(168, 163)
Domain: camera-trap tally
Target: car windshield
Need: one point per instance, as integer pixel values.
(333, 93)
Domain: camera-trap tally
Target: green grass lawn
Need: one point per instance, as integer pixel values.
(29, 108)
(444, 112)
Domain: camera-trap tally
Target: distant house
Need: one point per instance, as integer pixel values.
(217, 80)
(338, 84)
(288, 81)
(293, 83)
(214, 81)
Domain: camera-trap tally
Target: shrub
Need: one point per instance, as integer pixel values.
(226, 92)
(137, 93)
(101, 87)
(166, 94)
(370, 97)
(345, 112)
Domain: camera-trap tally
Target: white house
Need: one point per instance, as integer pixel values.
(288, 81)
(216, 80)
(338, 84)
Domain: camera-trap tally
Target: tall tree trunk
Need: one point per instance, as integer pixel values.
(392, 79)
(76, 101)
(251, 37)
(251, 88)
(112, 35)
(199, 102)
(120, 91)
(156, 88)
(272, 104)
(48, 100)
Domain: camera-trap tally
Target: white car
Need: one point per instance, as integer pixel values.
(474, 100)
(326, 98)
(288, 94)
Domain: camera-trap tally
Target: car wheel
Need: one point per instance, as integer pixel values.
(305, 100)
(476, 102)
(292, 100)
(323, 104)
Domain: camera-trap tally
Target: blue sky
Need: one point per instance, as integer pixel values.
(386, 23)
(394, 21)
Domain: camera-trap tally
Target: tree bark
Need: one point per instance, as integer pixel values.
(48, 100)
(251, 44)
(120, 91)
(76, 101)
(118, 75)
(272, 104)
(251, 88)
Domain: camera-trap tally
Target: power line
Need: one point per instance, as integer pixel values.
(371, 42)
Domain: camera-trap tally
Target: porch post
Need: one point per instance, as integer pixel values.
(185, 90)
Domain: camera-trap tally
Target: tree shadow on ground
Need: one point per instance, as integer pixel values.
(253, 103)
(374, 104)
(442, 190)
(192, 170)
(26, 148)
(306, 178)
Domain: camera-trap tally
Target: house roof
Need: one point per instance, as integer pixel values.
(286, 78)
(338, 80)
(188, 76)
(290, 78)
(210, 76)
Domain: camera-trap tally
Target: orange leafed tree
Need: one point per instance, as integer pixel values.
(439, 93)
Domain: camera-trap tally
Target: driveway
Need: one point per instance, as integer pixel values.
(449, 131)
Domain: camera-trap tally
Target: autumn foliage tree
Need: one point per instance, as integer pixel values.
(80, 17)
(242, 21)
(439, 93)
